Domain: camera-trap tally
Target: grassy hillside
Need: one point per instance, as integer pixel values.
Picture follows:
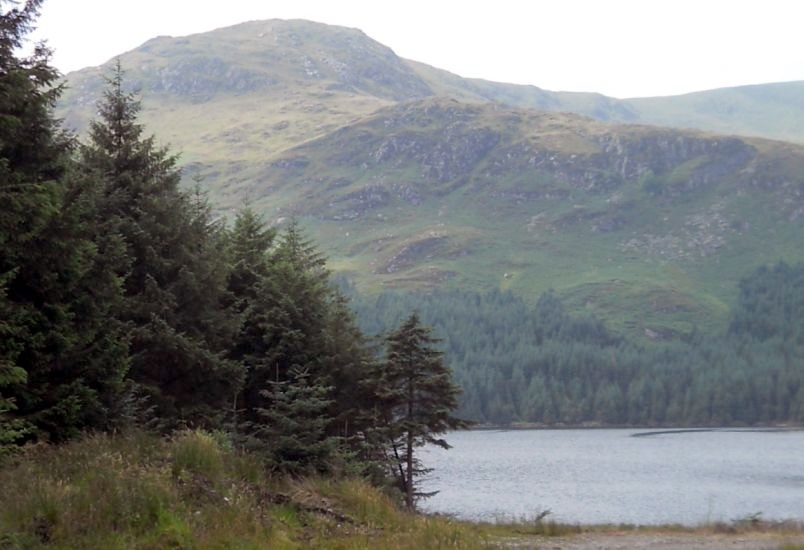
(409, 176)
(650, 228)
(242, 93)
(140, 491)
(246, 92)
(773, 111)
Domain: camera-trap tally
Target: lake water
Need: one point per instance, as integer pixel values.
(609, 476)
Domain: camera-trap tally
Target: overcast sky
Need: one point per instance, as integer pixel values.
(622, 48)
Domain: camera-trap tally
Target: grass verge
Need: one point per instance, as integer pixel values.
(194, 491)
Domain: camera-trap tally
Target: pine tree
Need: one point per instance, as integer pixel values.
(175, 289)
(289, 309)
(11, 429)
(249, 246)
(57, 270)
(416, 397)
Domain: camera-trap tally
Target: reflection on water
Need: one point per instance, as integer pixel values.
(607, 476)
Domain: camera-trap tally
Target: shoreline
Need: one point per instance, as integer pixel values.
(658, 429)
(748, 534)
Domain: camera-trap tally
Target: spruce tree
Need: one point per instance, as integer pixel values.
(63, 357)
(249, 243)
(175, 293)
(292, 320)
(346, 361)
(249, 248)
(291, 433)
(288, 313)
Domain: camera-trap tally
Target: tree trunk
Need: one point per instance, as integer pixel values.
(409, 485)
(409, 452)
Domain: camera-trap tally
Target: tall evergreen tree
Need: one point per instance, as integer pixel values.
(289, 309)
(346, 360)
(175, 288)
(58, 271)
(249, 245)
(416, 397)
(292, 321)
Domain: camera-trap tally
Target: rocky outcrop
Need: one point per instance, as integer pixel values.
(441, 156)
(413, 252)
(701, 235)
(357, 203)
(422, 151)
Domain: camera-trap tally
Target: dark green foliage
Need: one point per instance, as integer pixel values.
(11, 429)
(175, 287)
(517, 363)
(291, 433)
(58, 271)
(415, 398)
(292, 321)
(31, 149)
(295, 296)
(771, 304)
(249, 244)
(249, 254)
(284, 304)
(346, 360)
(122, 303)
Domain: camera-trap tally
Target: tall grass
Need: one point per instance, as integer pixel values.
(194, 491)
(130, 491)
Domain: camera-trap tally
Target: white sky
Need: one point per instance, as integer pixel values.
(622, 48)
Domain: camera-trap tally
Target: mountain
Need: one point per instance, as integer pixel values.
(411, 177)
(618, 218)
(267, 85)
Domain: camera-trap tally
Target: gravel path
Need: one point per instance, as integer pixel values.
(657, 541)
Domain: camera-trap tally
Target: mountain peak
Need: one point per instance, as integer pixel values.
(273, 55)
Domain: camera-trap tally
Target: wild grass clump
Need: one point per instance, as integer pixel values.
(197, 453)
(128, 491)
(86, 488)
(368, 505)
(535, 524)
(374, 520)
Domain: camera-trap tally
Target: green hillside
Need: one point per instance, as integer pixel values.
(648, 227)
(411, 177)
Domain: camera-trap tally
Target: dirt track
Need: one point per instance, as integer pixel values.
(628, 540)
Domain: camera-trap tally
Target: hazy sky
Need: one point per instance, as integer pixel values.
(623, 48)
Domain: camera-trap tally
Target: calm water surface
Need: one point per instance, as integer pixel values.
(608, 476)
